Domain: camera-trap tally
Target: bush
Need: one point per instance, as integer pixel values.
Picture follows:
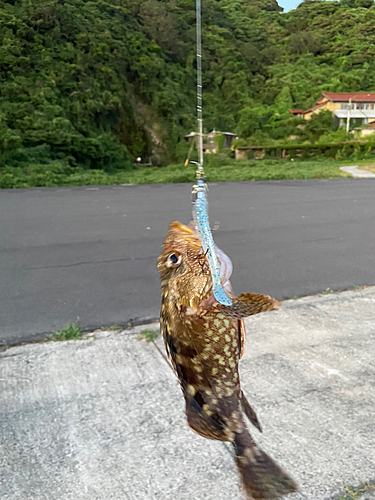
(49, 174)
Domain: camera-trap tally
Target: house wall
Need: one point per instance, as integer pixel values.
(241, 154)
(328, 106)
(307, 116)
(366, 131)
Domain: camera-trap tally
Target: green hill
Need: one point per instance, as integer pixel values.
(97, 83)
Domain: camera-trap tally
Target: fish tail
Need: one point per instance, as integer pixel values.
(262, 478)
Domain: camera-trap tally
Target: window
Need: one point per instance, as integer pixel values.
(344, 105)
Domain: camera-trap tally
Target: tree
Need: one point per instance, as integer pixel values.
(99, 83)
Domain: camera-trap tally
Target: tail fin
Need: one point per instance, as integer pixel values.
(262, 478)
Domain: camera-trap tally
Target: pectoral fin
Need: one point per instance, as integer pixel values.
(248, 304)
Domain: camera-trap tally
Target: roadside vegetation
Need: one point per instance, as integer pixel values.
(148, 336)
(72, 331)
(218, 171)
(358, 492)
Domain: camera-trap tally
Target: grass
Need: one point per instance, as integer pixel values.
(356, 492)
(53, 175)
(148, 336)
(72, 331)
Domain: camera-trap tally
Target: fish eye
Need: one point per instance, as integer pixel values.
(174, 260)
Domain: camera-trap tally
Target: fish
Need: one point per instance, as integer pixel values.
(204, 341)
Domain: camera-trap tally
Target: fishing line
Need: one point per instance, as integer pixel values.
(199, 190)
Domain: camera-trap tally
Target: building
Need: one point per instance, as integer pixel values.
(345, 106)
(209, 140)
(297, 112)
(365, 131)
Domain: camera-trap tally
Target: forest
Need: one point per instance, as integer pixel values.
(96, 84)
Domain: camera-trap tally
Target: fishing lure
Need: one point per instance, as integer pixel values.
(202, 227)
(200, 204)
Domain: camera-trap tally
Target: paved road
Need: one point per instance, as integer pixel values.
(90, 253)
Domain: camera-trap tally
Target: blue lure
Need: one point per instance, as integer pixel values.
(200, 205)
(202, 226)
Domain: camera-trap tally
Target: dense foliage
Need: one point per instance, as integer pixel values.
(93, 84)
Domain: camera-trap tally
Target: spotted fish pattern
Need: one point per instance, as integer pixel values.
(204, 341)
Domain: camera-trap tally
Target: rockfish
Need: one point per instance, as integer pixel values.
(205, 341)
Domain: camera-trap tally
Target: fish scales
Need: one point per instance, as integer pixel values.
(204, 341)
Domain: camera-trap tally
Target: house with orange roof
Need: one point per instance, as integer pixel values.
(343, 105)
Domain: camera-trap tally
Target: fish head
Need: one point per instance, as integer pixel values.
(184, 269)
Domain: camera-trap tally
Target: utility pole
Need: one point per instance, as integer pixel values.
(348, 117)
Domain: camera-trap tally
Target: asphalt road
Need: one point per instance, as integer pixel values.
(90, 253)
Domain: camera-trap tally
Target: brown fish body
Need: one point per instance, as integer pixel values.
(204, 341)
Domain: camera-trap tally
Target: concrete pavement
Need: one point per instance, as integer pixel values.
(102, 418)
(355, 171)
